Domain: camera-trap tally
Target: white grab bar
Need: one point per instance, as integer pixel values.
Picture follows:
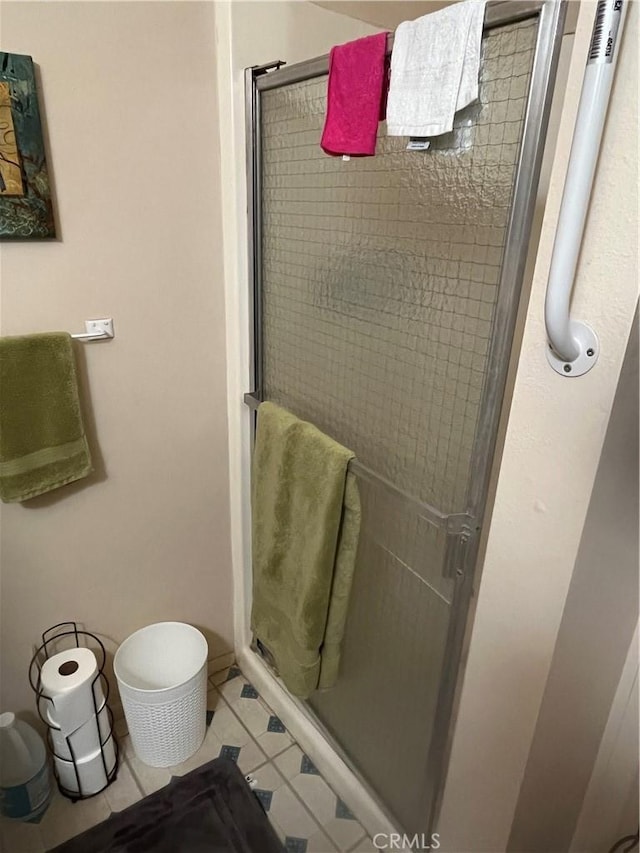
(573, 345)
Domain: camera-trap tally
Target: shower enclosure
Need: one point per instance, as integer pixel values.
(385, 291)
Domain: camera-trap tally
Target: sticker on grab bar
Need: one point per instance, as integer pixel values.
(605, 32)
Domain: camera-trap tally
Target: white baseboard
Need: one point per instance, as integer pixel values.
(298, 721)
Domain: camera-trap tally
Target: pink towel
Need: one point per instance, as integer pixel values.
(355, 96)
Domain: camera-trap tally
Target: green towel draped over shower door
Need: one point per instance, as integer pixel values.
(42, 439)
(306, 521)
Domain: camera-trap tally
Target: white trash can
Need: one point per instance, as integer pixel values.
(162, 678)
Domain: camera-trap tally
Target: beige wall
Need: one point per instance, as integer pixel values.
(129, 93)
(599, 620)
(553, 443)
(384, 13)
(610, 807)
(390, 13)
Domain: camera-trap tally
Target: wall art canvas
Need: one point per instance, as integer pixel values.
(26, 210)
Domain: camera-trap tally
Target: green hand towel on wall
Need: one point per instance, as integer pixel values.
(42, 440)
(306, 521)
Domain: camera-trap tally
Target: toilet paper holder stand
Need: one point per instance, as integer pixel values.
(59, 638)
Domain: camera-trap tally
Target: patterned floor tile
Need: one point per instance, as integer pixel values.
(125, 791)
(273, 743)
(276, 725)
(295, 845)
(265, 781)
(276, 738)
(232, 688)
(233, 672)
(307, 766)
(242, 727)
(289, 814)
(225, 673)
(241, 747)
(268, 780)
(320, 843)
(150, 779)
(343, 810)
(65, 819)
(344, 833)
(228, 728)
(330, 811)
(289, 762)
(278, 829)
(24, 837)
(273, 737)
(253, 714)
(230, 752)
(214, 699)
(209, 750)
(265, 798)
(251, 756)
(365, 846)
(256, 716)
(219, 665)
(316, 795)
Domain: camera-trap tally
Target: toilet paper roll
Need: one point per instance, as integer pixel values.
(69, 680)
(91, 771)
(85, 741)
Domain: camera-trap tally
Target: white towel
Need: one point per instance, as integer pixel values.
(434, 69)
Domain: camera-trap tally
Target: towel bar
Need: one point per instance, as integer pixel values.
(97, 330)
(457, 524)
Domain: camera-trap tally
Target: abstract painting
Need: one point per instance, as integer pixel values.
(25, 194)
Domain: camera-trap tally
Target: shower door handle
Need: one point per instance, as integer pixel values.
(253, 400)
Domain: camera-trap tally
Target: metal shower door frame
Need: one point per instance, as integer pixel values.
(464, 539)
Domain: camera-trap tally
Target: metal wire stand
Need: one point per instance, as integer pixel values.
(58, 638)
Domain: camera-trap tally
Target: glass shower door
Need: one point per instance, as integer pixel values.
(384, 309)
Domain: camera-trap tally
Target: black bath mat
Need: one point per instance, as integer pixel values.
(210, 810)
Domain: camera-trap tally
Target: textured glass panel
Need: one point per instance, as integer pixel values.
(380, 282)
(383, 708)
(381, 273)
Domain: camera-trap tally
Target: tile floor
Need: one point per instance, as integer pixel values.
(306, 814)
